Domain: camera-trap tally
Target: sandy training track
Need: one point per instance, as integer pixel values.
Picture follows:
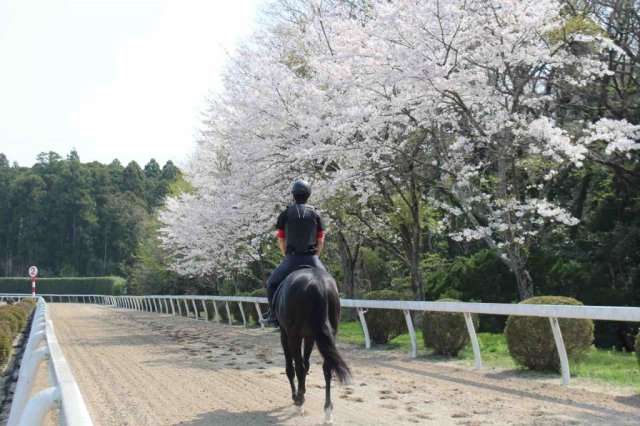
(139, 368)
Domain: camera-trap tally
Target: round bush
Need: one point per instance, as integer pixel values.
(530, 339)
(25, 307)
(385, 324)
(30, 301)
(10, 301)
(250, 308)
(18, 313)
(11, 319)
(446, 332)
(5, 342)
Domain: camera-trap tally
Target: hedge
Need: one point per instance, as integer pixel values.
(13, 319)
(19, 313)
(73, 285)
(6, 337)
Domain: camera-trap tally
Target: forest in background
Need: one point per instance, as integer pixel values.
(78, 219)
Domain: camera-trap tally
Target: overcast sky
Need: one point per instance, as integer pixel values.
(113, 79)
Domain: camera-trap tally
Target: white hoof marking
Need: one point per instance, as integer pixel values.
(328, 419)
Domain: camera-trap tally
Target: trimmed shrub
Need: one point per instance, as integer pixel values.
(11, 320)
(10, 301)
(250, 308)
(530, 339)
(30, 301)
(385, 324)
(446, 332)
(18, 313)
(5, 342)
(26, 307)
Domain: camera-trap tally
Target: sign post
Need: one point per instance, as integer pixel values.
(33, 272)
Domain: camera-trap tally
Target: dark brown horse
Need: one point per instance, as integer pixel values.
(307, 306)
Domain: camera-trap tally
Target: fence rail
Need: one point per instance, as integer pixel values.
(174, 305)
(63, 394)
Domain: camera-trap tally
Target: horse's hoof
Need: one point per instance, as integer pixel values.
(328, 418)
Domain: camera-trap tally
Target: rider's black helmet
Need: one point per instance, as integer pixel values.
(301, 187)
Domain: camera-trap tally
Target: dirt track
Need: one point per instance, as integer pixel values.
(146, 369)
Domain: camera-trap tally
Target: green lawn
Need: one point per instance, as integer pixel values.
(601, 365)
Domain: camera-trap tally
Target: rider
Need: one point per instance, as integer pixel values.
(300, 238)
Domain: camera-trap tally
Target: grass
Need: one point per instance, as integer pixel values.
(600, 365)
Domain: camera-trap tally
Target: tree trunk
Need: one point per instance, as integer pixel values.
(416, 240)
(104, 258)
(525, 283)
(348, 258)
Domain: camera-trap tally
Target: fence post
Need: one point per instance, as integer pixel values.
(412, 333)
(244, 318)
(474, 340)
(215, 308)
(26, 378)
(259, 314)
(195, 309)
(562, 351)
(39, 405)
(204, 307)
(186, 307)
(226, 304)
(173, 309)
(365, 329)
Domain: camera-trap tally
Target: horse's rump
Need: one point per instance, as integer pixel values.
(308, 305)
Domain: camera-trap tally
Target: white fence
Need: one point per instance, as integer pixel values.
(63, 394)
(180, 305)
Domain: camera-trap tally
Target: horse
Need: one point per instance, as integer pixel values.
(307, 306)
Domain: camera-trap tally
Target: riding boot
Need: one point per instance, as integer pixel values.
(270, 319)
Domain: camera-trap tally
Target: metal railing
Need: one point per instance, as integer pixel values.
(173, 305)
(63, 394)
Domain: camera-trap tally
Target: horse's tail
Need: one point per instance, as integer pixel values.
(323, 335)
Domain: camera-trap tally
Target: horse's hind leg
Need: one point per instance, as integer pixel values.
(328, 405)
(308, 347)
(295, 346)
(289, 363)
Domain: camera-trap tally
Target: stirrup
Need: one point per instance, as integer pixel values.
(268, 321)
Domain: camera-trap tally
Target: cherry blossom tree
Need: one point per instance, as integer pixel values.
(407, 106)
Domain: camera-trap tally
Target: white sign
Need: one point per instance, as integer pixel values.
(33, 271)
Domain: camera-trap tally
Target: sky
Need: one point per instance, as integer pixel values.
(112, 78)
